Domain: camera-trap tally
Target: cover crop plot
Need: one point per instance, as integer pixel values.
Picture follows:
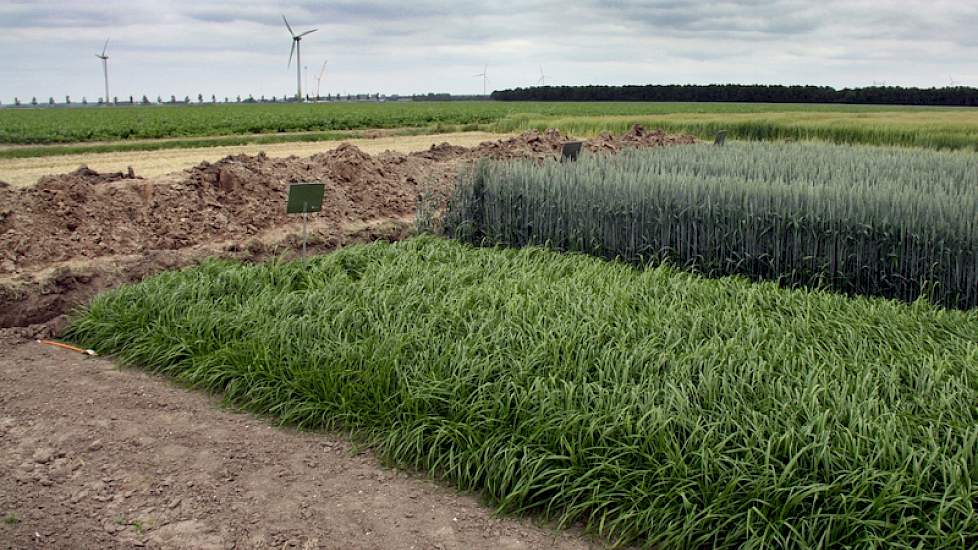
(654, 406)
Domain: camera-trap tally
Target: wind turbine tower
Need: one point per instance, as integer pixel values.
(319, 79)
(485, 77)
(105, 68)
(543, 78)
(296, 40)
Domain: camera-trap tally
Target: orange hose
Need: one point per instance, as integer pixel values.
(67, 347)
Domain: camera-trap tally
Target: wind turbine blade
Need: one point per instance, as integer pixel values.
(287, 25)
(105, 47)
(307, 32)
(292, 51)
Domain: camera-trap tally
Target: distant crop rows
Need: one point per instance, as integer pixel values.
(922, 127)
(651, 406)
(950, 129)
(111, 123)
(862, 220)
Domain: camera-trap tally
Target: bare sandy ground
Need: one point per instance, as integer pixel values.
(93, 456)
(24, 172)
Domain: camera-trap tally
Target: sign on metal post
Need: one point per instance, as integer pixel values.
(305, 198)
(570, 150)
(720, 138)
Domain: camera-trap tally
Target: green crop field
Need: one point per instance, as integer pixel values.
(653, 406)
(934, 127)
(882, 221)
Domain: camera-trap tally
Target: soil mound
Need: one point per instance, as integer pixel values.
(638, 136)
(87, 214)
(529, 144)
(442, 151)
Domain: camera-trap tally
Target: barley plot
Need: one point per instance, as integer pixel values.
(887, 222)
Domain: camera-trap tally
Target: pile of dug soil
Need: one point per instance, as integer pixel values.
(108, 222)
(86, 215)
(637, 137)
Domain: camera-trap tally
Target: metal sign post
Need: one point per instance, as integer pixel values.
(305, 198)
(720, 138)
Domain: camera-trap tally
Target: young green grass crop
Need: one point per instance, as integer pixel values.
(654, 406)
(880, 221)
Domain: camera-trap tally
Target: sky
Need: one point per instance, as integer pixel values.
(186, 47)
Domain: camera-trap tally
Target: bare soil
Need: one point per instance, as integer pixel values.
(92, 456)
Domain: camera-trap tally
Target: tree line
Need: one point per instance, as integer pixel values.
(882, 95)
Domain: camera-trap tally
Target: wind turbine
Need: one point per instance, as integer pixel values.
(319, 78)
(296, 39)
(105, 68)
(543, 78)
(484, 74)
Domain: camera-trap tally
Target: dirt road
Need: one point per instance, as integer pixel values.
(92, 456)
(26, 171)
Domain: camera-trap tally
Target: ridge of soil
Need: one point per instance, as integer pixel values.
(72, 235)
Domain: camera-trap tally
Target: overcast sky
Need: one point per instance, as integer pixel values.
(186, 47)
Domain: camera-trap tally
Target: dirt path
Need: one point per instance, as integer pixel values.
(92, 456)
(24, 172)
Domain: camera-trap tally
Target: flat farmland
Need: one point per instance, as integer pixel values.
(86, 130)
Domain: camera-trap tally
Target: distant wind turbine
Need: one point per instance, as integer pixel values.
(950, 79)
(105, 68)
(296, 39)
(543, 77)
(319, 79)
(485, 77)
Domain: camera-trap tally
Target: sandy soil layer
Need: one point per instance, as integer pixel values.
(96, 457)
(148, 164)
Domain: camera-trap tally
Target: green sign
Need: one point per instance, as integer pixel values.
(305, 197)
(570, 150)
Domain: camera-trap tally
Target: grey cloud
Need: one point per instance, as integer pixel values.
(177, 46)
